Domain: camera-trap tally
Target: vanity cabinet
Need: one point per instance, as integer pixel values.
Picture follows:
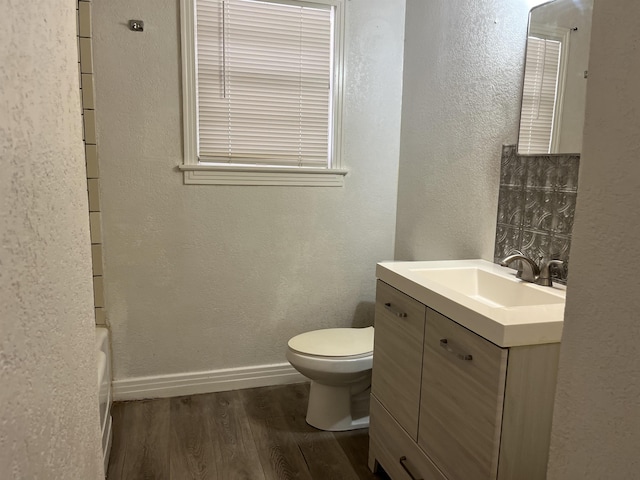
(448, 404)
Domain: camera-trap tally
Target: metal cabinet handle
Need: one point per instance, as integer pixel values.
(403, 462)
(444, 343)
(395, 312)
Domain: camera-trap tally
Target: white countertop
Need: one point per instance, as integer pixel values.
(504, 326)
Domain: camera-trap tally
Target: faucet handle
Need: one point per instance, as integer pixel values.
(545, 272)
(554, 263)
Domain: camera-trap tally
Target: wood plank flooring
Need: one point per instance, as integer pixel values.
(255, 434)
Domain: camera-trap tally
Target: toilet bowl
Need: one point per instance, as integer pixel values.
(338, 362)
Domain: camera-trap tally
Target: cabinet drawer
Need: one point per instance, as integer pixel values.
(390, 444)
(463, 384)
(397, 355)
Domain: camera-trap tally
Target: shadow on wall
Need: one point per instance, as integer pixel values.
(536, 206)
(363, 315)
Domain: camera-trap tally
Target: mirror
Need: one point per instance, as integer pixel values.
(555, 78)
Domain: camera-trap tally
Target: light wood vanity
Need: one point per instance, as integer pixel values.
(448, 404)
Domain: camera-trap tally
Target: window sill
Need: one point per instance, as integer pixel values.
(250, 175)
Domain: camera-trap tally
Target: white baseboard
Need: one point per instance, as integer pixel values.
(175, 385)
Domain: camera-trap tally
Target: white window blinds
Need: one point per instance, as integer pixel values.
(264, 83)
(539, 95)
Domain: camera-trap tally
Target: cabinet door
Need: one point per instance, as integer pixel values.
(397, 355)
(463, 385)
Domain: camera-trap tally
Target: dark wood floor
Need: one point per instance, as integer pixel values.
(255, 434)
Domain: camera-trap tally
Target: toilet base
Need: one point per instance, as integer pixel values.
(337, 408)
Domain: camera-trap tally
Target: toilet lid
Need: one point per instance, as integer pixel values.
(334, 342)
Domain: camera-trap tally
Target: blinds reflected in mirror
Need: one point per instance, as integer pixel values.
(540, 94)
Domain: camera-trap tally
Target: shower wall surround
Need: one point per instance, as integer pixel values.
(87, 100)
(536, 206)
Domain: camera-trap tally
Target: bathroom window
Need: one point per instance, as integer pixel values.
(262, 91)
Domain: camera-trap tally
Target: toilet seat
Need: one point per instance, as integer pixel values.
(334, 343)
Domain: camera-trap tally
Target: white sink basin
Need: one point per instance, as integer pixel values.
(489, 288)
(484, 297)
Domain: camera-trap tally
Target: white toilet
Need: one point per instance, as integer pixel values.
(338, 362)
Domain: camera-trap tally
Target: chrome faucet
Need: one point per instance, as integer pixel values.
(529, 270)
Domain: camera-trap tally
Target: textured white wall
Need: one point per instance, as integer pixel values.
(49, 421)
(461, 102)
(209, 277)
(596, 429)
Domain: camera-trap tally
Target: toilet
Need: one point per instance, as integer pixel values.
(338, 362)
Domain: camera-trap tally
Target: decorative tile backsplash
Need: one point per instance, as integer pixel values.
(536, 206)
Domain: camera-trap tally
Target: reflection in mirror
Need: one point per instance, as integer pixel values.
(555, 78)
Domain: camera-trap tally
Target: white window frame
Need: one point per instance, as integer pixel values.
(199, 173)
